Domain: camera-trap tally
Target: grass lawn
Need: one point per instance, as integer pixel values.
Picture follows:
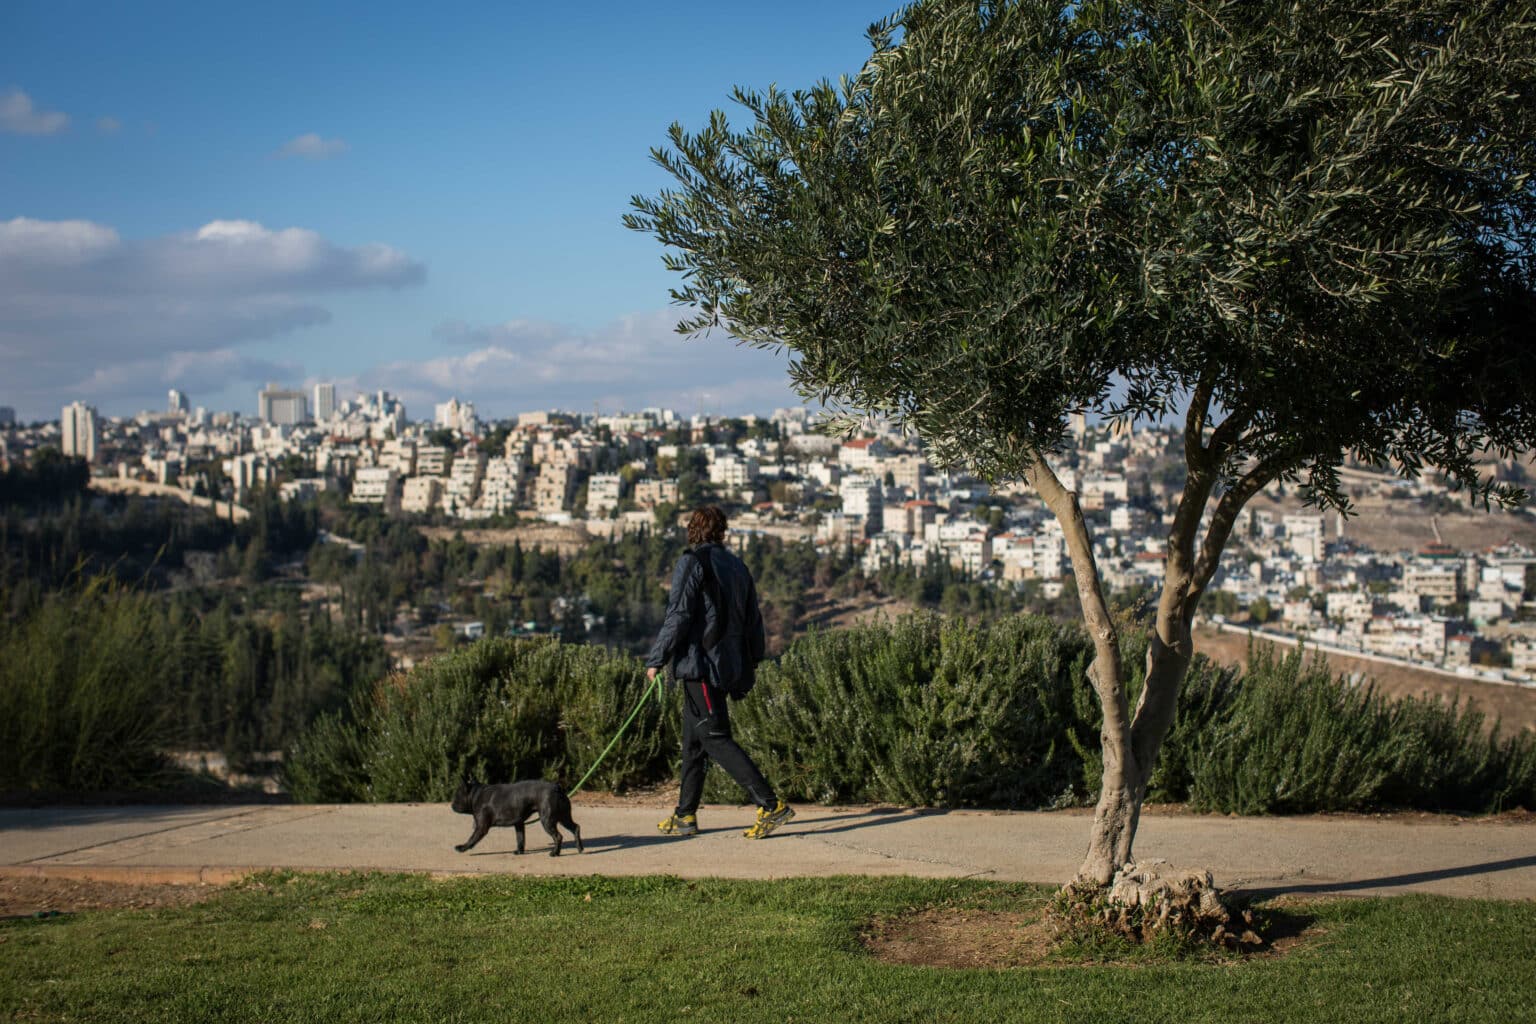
(403, 947)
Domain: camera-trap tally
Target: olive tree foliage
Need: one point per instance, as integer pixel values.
(1306, 227)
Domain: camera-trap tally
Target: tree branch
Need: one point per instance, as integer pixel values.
(1108, 675)
(1195, 418)
(1231, 503)
(1226, 436)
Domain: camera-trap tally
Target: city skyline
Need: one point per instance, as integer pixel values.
(209, 199)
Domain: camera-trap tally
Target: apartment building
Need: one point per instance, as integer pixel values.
(464, 480)
(278, 405)
(1441, 583)
(433, 460)
(650, 493)
(603, 493)
(502, 489)
(399, 455)
(421, 494)
(375, 485)
(554, 487)
(77, 427)
(860, 455)
(862, 498)
(732, 471)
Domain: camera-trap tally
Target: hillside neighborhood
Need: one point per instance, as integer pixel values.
(1290, 571)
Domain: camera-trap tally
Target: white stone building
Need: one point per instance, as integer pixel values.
(375, 485)
(421, 494)
(77, 427)
(603, 493)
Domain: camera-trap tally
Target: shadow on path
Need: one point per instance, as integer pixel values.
(854, 822)
(629, 842)
(1388, 881)
(825, 825)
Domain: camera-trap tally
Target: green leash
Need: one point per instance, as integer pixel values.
(654, 685)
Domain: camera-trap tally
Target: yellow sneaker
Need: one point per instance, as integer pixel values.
(679, 825)
(768, 820)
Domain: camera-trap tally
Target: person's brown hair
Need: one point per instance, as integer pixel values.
(706, 526)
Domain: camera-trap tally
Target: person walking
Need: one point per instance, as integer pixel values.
(712, 638)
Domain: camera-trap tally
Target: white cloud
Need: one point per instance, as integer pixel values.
(19, 116)
(108, 125)
(637, 361)
(54, 242)
(86, 312)
(311, 146)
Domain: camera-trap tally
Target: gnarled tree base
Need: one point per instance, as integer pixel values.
(1152, 901)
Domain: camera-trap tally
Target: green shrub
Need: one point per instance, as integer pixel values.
(1205, 700)
(920, 712)
(923, 711)
(326, 763)
(81, 705)
(1446, 759)
(500, 709)
(1296, 740)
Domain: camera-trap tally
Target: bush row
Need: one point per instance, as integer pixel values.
(921, 712)
(80, 707)
(498, 710)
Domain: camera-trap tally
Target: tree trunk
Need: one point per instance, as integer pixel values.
(1115, 817)
(1131, 757)
(1114, 821)
(1131, 746)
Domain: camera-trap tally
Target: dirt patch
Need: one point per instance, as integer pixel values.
(1387, 524)
(961, 938)
(979, 939)
(26, 896)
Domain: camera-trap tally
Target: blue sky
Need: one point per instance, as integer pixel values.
(423, 198)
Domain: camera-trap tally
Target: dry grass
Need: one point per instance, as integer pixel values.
(22, 896)
(1513, 706)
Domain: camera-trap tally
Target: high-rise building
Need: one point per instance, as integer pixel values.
(288, 408)
(7, 416)
(458, 416)
(177, 402)
(325, 402)
(78, 426)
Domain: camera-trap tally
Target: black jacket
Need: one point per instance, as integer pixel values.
(692, 619)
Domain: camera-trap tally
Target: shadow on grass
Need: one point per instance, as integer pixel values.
(1282, 928)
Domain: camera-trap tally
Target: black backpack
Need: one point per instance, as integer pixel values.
(726, 655)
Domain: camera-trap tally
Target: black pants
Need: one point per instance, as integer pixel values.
(706, 737)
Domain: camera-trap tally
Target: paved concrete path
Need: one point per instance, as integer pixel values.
(1360, 855)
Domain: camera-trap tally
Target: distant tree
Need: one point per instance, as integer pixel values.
(50, 476)
(292, 466)
(495, 442)
(253, 563)
(783, 492)
(1259, 610)
(666, 515)
(1307, 227)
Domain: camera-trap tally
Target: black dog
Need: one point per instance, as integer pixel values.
(512, 804)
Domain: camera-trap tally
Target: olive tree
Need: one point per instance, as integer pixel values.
(1306, 228)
